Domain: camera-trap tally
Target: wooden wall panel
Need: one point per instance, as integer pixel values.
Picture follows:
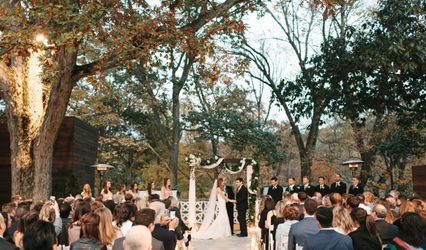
(74, 151)
(419, 180)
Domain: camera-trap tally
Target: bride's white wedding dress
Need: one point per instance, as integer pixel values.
(214, 228)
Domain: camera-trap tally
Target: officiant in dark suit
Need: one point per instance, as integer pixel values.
(275, 190)
(242, 206)
(229, 191)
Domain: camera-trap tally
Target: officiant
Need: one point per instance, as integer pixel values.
(229, 192)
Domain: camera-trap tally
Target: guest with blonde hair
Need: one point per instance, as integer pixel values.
(107, 232)
(50, 213)
(140, 203)
(342, 221)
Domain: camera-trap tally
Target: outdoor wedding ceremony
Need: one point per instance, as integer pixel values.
(212, 124)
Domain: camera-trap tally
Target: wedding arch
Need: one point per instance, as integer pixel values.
(252, 179)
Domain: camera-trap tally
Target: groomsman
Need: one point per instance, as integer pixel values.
(229, 191)
(307, 188)
(292, 187)
(338, 186)
(356, 187)
(275, 190)
(322, 187)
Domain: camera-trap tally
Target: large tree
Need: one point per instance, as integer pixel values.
(81, 38)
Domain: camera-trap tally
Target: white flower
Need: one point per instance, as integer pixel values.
(254, 162)
(216, 158)
(186, 159)
(256, 178)
(208, 162)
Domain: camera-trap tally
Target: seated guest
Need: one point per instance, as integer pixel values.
(322, 188)
(122, 219)
(64, 212)
(327, 238)
(50, 213)
(90, 234)
(164, 229)
(342, 221)
(356, 188)
(305, 228)
(336, 199)
(386, 231)
(366, 236)
(301, 196)
(278, 218)
(107, 232)
(24, 222)
(4, 244)
(81, 208)
(362, 204)
(146, 217)
(413, 233)
(269, 205)
(352, 202)
(40, 235)
(138, 238)
(291, 213)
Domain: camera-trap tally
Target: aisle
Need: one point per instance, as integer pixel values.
(233, 242)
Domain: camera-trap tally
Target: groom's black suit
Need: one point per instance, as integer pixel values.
(242, 206)
(230, 206)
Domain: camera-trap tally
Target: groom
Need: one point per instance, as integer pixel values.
(242, 206)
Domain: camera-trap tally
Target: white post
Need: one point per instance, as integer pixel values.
(191, 200)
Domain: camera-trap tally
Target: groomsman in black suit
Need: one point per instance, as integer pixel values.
(242, 206)
(338, 186)
(292, 187)
(356, 187)
(322, 188)
(275, 190)
(229, 191)
(307, 187)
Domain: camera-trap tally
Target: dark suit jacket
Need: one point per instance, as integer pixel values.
(5, 245)
(301, 231)
(324, 191)
(242, 198)
(295, 189)
(164, 235)
(362, 240)
(309, 190)
(386, 231)
(328, 240)
(276, 193)
(359, 189)
(341, 189)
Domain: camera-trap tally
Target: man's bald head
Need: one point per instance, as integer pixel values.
(380, 211)
(138, 238)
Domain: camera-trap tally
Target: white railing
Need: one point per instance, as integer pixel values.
(200, 207)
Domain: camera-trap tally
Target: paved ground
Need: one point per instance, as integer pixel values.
(233, 242)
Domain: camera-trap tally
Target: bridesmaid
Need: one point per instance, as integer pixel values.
(87, 191)
(134, 190)
(106, 191)
(166, 189)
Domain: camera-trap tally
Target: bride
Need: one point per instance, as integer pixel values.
(214, 228)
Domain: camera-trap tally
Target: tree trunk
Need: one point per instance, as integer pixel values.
(176, 134)
(34, 116)
(365, 152)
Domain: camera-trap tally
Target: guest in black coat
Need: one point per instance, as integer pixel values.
(307, 187)
(275, 190)
(4, 244)
(292, 187)
(338, 186)
(366, 236)
(229, 191)
(356, 188)
(322, 188)
(386, 231)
